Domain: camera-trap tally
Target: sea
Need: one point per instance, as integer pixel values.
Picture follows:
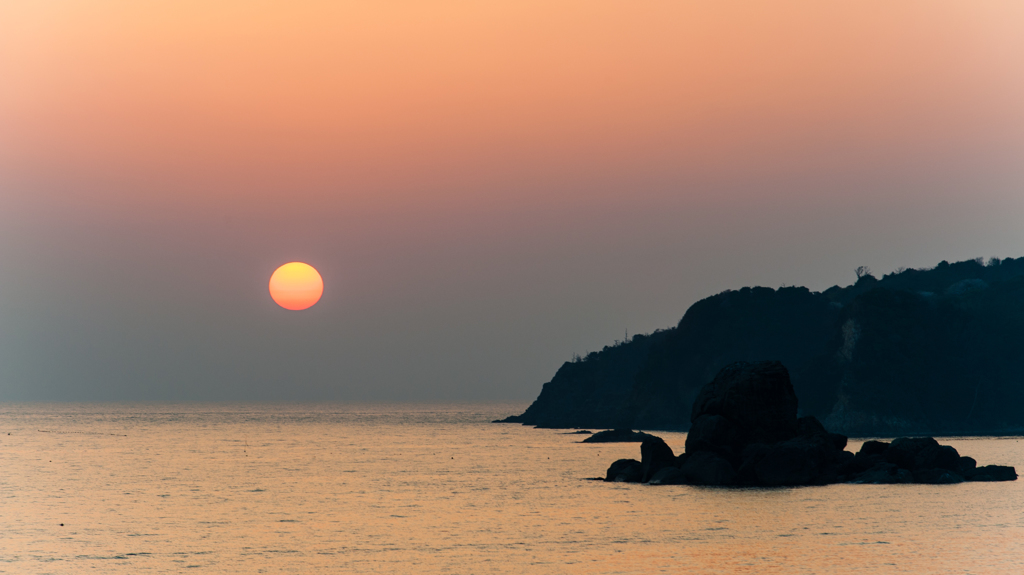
(398, 488)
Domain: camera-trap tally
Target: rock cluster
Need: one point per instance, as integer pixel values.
(745, 432)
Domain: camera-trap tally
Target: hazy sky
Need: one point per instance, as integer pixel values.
(485, 187)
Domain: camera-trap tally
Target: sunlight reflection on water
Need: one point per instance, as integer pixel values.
(438, 489)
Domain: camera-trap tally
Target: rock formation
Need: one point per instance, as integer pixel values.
(745, 432)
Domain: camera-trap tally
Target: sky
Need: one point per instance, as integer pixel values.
(486, 188)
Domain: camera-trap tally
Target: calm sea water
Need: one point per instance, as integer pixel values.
(438, 489)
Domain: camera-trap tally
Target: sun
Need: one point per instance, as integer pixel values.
(296, 286)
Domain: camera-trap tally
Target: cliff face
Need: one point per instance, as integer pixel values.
(922, 351)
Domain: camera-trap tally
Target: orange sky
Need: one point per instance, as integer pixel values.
(359, 99)
(486, 187)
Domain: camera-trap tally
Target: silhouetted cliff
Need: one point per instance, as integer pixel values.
(917, 352)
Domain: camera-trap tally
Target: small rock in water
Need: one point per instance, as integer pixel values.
(625, 470)
(618, 436)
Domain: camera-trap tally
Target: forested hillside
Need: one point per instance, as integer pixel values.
(934, 351)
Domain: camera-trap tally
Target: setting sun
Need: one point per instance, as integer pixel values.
(296, 286)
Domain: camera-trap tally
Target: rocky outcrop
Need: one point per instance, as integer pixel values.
(745, 428)
(918, 460)
(746, 403)
(746, 433)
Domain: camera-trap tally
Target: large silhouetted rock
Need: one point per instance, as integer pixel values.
(746, 417)
(745, 403)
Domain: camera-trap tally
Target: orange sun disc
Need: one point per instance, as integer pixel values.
(296, 286)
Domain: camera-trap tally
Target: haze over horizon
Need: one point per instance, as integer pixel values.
(485, 189)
